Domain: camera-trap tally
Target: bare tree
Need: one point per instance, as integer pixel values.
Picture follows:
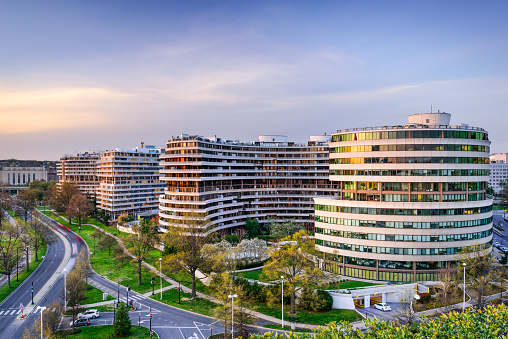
(79, 207)
(25, 202)
(188, 242)
(240, 233)
(96, 234)
(82, 266)
(405, 314)
(107, 243)
(53, 315)
(75, 293)
(34, 331)
(62, 195)
(10, 238)
(142, 242)
(40, 235)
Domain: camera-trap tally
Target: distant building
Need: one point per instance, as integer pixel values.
(411, 197)
(21, 176)
(498, 170)
(229, 181)
(122, 181)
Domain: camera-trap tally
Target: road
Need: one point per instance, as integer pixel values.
(500, 236)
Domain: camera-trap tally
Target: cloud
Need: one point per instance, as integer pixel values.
(23, 111)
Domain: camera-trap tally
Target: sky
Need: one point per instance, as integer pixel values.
(94, 75)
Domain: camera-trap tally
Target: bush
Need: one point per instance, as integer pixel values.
(317, 301)
(306, 298)
(252, 265)
(122, 323)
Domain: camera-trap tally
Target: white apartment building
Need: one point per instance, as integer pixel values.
(21, 176)
(228, 181)
(498, 170)
(411, 197)
(129, 182)
(122, 181)
(81, 169)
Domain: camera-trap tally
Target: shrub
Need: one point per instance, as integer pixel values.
(323, 301)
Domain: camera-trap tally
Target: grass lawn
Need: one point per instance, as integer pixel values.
(106, 331)
(306, 317)
(255, 275)
(185, 279)
(350, 284)
(94, 295)
(5, 290)
(106, 265)
(198, 305)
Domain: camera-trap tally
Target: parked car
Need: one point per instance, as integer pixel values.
(81, 322)
(383, 307)
(89, 314)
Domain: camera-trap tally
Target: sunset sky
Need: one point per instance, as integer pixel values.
(81, 75)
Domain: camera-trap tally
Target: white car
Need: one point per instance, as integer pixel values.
(89, 314)
(383, 307)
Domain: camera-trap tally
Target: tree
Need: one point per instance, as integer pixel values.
(53, 315)
(480, 271)
(294, 261)
(240, 233)
(40, 234)
(75, 292)
(82, 266)
(121, 256)
(122, 323)
(79, 207)
(34, 331)
(42, 189)
(284, 229)
(448, 287)
(26, 201)
(96, 234)
(62, 195)
(252, 227)
(10, 238)
(143, 240)
(188, 242)
(503, 193)
(107, 243)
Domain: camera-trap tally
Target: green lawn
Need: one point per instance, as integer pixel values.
(306, 317)
(255, 275)
(5, 290)
(198, 305)
(106, 265)
(106, 331)
(185, 279)
(350, 284)
(94, 295)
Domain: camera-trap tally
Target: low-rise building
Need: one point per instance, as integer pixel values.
(498, 170)
(21, 176)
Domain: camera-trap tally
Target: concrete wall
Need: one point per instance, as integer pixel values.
(342, 301)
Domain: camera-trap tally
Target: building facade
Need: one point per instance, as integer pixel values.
(498, 170)
(410, 198)
(122, 181)
(129, 182)
(21, 176)
(227, 181)
(80, 169)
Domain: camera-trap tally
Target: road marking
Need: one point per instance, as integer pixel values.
(19, 311)
(1, 312)
(14, 311)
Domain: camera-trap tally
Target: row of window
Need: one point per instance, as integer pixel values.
(392, 250)
(410, 160)
(418, 173)
(410, 134)
(415, 186)
(373, 275)
(402, 211)
(404, 224)
(19, 178)
(402, 237)
(410, 147)
(414, 197)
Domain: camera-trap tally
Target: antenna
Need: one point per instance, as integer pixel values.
(430, 108)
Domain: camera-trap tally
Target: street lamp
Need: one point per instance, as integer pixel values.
(160, 261)
(464, 298)
(282, 297)
(42, 310)
(232, 297)
(65, 288)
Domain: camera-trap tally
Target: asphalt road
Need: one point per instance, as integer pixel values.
(10, 327)
(500, 236)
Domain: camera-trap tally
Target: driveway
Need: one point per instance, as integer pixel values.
(374, 312)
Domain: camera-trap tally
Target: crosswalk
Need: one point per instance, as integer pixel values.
(10, 311)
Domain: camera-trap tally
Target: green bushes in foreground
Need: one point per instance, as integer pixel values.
(487, 324)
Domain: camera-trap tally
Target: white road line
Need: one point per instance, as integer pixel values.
(14, 311)
(181, 333)
(1, 312)
(18, 312)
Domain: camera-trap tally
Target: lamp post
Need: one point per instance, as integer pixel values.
(464, 297)
(17, 263)
(65, 288)
(160, 261)
(232, 297)
(118, 294)
(32, 292)
(282, 297)
(42, 310)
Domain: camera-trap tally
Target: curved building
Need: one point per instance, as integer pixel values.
(410, 198)
(229, 181)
